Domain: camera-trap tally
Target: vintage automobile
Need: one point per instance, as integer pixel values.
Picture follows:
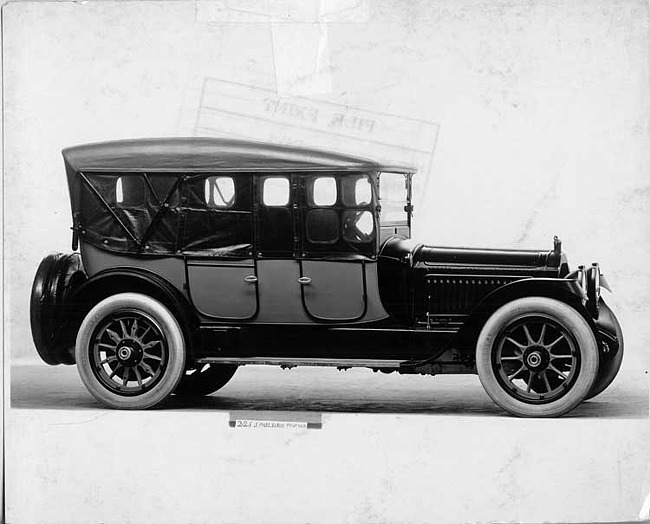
(199, 255)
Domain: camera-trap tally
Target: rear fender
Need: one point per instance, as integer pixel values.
(136, 280)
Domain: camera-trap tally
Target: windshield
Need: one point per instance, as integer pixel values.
(395, 198)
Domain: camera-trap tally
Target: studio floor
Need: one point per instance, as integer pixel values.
(387, 448)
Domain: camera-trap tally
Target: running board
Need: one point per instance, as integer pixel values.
(292, 362)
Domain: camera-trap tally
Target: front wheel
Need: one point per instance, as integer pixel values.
(537, 357)
(130, 352)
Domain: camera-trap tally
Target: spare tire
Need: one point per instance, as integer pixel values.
(58, 276)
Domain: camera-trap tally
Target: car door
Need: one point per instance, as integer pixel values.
(333, 290)
(277, 250)
(338, 240)
(218, 246)
(315, 242)
(223, 290)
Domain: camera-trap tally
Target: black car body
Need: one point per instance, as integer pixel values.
(199, 255)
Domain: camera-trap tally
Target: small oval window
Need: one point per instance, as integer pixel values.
(365, 224)
(275, 191)
(129, 191)
(322, 226)
(119, 194)
(362, 192)
(359, 226)
(220, 191)
(324, 191)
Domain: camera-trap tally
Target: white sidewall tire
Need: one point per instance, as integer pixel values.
(171, 330)
(575, 324)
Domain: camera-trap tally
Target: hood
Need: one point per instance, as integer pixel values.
(431, 256)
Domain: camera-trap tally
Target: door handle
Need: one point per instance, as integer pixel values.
(304, 280)
(251, 279)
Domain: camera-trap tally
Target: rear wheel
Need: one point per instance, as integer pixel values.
(130, 352)
(537, 357)
(204, 379)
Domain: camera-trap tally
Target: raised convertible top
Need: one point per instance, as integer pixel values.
(211, 155)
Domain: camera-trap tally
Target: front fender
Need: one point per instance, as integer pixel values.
(565, 290)
(610, 333)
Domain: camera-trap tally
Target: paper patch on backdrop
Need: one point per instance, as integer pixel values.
(298, 31)
(237, 110)
(302, 69)
(282, 11)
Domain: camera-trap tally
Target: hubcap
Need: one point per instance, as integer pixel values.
(124, 353)
(129, 353)
(533, 360)
(536, 359)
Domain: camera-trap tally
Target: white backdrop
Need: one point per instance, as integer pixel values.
(527, 119)
(530, 119)
(542, 110)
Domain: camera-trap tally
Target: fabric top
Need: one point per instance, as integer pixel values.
(211, 155)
